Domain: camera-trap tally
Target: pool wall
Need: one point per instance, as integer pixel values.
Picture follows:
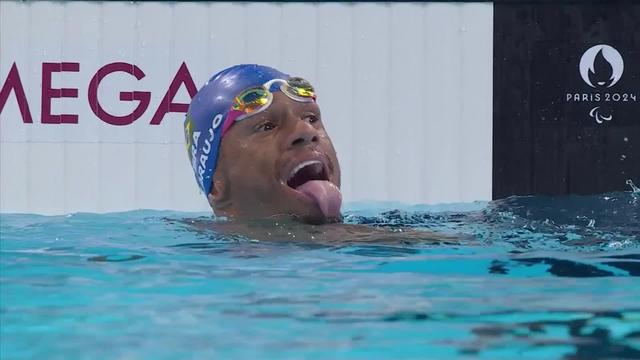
(405, 91)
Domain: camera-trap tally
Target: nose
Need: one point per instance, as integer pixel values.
(304, 134)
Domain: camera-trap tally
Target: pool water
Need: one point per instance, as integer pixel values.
(538, 278)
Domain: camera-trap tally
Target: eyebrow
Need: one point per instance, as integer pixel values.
(313, 104)
(252, 120)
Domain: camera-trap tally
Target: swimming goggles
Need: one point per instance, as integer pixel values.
(257, 99)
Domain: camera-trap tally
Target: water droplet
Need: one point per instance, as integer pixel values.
(592, 223)
(619, 244)
(615, 244)
(626, 139)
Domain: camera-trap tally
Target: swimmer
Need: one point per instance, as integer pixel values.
(259, 149)
(262, 156)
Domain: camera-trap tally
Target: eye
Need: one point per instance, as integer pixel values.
(266, 126)
(312, 118)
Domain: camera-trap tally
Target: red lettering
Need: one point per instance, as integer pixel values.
(48, 93)
(142, 96)
(14, 83)
(167, 105)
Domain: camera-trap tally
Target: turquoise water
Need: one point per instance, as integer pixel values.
(537, 278)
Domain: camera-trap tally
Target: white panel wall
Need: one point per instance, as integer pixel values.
(405, 90)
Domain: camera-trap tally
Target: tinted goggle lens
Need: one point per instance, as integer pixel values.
(299, 88)
(251, 100)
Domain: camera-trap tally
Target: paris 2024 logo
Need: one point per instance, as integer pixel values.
(601, 67)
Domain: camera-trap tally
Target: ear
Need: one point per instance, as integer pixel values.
(219, 195)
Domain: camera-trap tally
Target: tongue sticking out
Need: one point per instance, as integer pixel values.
(325, 194)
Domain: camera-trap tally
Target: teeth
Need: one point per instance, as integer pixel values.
(302, 165)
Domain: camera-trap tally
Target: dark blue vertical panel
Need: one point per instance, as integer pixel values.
(566, 98)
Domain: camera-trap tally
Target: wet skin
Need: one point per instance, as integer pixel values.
(284, 230)
(257, 155)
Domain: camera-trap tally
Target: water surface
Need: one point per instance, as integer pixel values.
(544, 277)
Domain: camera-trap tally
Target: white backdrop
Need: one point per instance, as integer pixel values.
(405, 90)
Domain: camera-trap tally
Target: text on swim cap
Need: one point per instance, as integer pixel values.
(199, 164)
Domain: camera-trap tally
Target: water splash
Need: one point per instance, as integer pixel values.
(563, 223)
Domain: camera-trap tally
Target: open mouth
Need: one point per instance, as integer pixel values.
(309, 181)
(307, 171)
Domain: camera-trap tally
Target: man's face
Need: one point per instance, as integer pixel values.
(278, 162)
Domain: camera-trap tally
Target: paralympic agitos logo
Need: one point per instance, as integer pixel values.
(601, 68)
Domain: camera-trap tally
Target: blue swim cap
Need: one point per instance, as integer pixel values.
(208, 113)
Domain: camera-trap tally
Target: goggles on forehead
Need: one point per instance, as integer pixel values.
(256, 99)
